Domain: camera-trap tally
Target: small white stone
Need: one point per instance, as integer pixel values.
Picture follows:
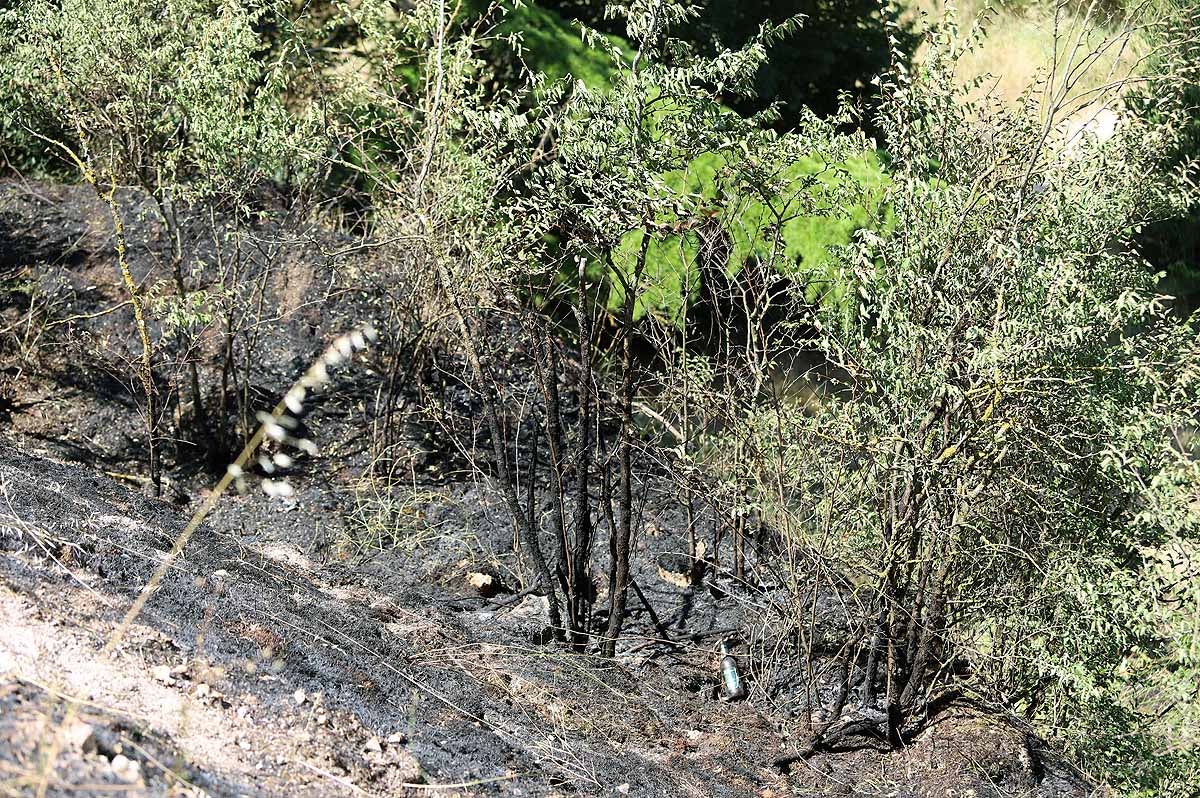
(126, 769)
(79, 736)
(299, 696)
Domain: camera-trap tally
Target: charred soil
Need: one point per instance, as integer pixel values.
(339, 641)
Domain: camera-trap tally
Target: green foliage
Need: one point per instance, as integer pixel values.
(806, 226)
(839, 48)
(551, 45)
(794, 229)
(1173, 245)
(653, 157)
(1006, 452)
(167, 95)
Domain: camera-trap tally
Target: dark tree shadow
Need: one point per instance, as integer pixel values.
(840, 47)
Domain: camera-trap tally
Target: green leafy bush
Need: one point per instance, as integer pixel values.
(792, 221)
(550, 46)
(166, 95)
(998, 451)
(172, 98)
(837, 50)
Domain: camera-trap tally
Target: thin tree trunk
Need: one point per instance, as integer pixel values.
(581, 600)
(619, 572)
(530, 545)
(548, 374)
(166, 211)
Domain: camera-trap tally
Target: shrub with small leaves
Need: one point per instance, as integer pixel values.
(166, 95)
(1001, 449)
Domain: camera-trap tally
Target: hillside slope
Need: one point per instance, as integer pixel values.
(254, 671)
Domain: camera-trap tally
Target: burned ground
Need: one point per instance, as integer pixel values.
(302, 645)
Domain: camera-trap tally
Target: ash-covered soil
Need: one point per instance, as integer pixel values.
(332, 643)
(256, 670)
(269, 675)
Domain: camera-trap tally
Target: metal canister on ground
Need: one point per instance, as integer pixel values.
(733, 688)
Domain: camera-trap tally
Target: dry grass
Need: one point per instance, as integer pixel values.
(386, 516)
(1019, 47)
